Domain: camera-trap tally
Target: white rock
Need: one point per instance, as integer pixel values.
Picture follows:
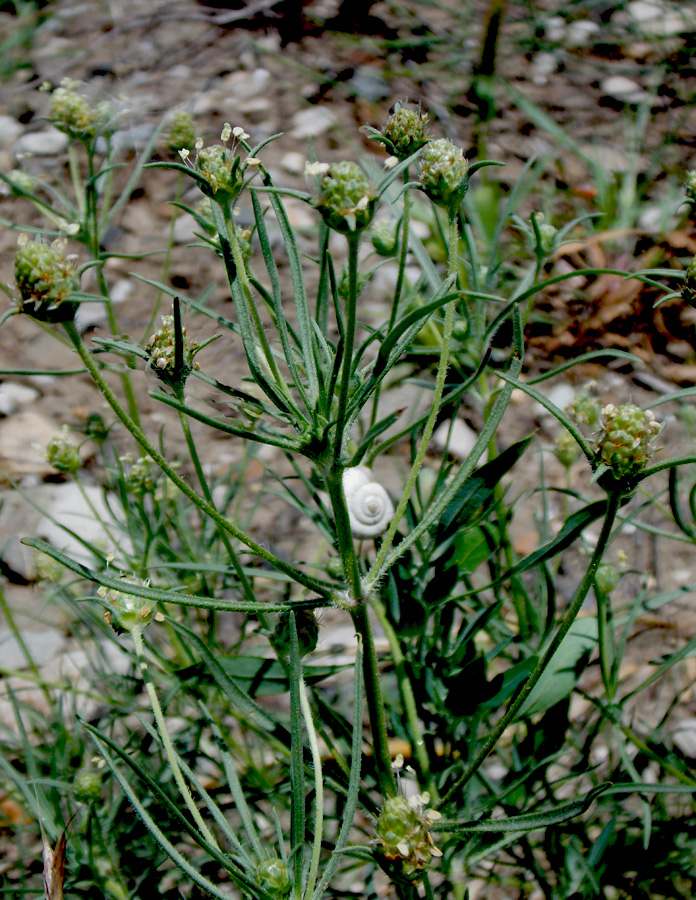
(621, 88)
(10, 130)
(661, 19)
(312, 122)
(461, 439)
(580, 32)
(14, 395)
(91, 518)
(185, 229)
(47, 142)
(23, 439)
(293, 162)
(543, 65)
(240, 86)
(684, 736)
(555, 28)
(562, 395)
(42, 646)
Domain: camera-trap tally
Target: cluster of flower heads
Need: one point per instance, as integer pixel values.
(161, 350)
(626, 442)
(127, 611)
(403, 830)
(46, 276)
(72, 114)
(221, 169)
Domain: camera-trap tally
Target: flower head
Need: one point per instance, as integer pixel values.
(45, 278)
(403, 832)
(689, 290)
(130, 612)
(73, 115)
(346, 200)
(405, 131)
(274, 876)
(443, 172)
(626, 443)
(222, 169)
(62, 453)
(163, 360)
(182, 131)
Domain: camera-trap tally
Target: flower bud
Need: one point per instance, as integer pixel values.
(626, 442)
(45, 277)
(274, 876)
(307, 632)
(131, 613)
(606, 579)
(403, 832)
(405, 131)
(566, 449)
(182, 131)
(162, 352)
(690, 185)
(346, 199)
(586, 408)
(222, 169)
(73, 115)
(689, 290)
(87, 787)
(62, 454)
(385, 238)
(443, 172)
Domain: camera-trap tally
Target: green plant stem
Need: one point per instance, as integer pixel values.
(348, 347)
(167, 256)
(613, 503)
(403, 253)
(205, 488)
(295, 574)
(243, 277)
(167, 743)
(388, 537)
(26, 653)
(407, 698)
(375, 704)
(318, 790)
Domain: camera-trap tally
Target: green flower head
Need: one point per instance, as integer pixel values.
(403, 832)
(443, 172)
(626, 443)
(346, 200)
(73, 115)
(405, 131)
(45, 278)
(274, 876)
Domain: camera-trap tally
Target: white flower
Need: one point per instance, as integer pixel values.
(240, 133)
(184, 153)
(390, 162)
(315, 168)
(226, 132)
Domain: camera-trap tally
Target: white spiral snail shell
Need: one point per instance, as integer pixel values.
(369, 507)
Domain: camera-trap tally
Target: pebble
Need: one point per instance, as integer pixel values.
(461, 439)
(370, 84)
(70, 511)
(580, 32)
(543, 65)
(624, 89)
(13, 396)
(185, 229)
(10, 130)
(42, 646)
(47, 142)
(684, 736)
(658, 19)
(241, 86)
(312, 122)
(23, 439)
(293, 162)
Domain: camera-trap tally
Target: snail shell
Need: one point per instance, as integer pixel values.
(369, 506)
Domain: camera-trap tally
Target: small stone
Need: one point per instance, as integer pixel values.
(242, 85)
(185, 229)
(684, 736)
(543, 65)
(23, 439)
(42, 646)
(369, 83)
(458, 442)
(13, 396)
(312, 122)
(83, 514)
(624, 89)
(293, 162)
(10, 130)
(580, 32)
(47, 142)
